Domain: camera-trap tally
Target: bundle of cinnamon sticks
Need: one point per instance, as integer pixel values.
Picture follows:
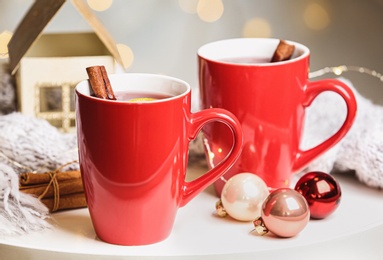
(57, 190)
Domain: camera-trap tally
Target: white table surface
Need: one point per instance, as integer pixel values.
(354, 231)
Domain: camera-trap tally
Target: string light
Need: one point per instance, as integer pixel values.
(338, 70)
(16, 164)
(25, 168)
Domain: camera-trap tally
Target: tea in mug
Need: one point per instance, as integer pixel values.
(138, 96)
(247, 60)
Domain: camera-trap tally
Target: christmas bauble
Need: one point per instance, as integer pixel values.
(285, 213)
(322, 192)
(243, 196)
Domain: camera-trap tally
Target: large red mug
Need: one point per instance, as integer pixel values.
(269, 99)
(133, 155)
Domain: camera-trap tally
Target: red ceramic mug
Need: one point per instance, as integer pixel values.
(133, 156)
(269, 99)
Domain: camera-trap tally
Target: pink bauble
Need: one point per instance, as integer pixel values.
(322, 192)
(285, 212)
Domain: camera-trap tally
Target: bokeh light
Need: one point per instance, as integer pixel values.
(210, 10)
(256, 27)
(316, 17)
(188, 6)
(100, 5)
(5, 37)
(127, 55)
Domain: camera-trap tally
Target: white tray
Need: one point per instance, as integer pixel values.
(354, 231)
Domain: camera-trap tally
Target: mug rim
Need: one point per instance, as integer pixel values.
(203, 53)
(83, 88)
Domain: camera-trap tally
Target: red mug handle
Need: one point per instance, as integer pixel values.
(312, 91)
(197, 121)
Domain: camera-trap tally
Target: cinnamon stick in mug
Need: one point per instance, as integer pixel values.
(283, 52)
(100, 83)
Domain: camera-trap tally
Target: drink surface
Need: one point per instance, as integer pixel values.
(247, 60)
(138, 96)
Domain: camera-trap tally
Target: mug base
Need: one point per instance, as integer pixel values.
(135, 240)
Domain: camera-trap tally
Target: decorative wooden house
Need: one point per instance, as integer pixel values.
(48, 66)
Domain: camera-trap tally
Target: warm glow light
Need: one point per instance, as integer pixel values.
(126, 54)
(188, 6)
(338, 71)
(99, 5)
(287, 182)
(5, 37)
(257, 27)
(210, 10)
(209, 152)
(316, 17)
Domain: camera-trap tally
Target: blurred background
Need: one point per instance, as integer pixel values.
(163, 36)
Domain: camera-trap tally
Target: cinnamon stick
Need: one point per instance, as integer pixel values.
(31, 178)
(62, 187)
(70, 201)
(57, 190)
(100, 83)
(283, 52)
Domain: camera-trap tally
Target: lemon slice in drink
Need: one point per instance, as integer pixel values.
(142, 99)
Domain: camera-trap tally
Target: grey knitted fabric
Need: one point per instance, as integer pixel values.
(28, 143)
(361, 150)
(19, 213)
(35, 143)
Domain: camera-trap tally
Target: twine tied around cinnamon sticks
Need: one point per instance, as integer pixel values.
(57, 190)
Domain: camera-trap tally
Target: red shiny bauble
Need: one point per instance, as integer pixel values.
(322, 192)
